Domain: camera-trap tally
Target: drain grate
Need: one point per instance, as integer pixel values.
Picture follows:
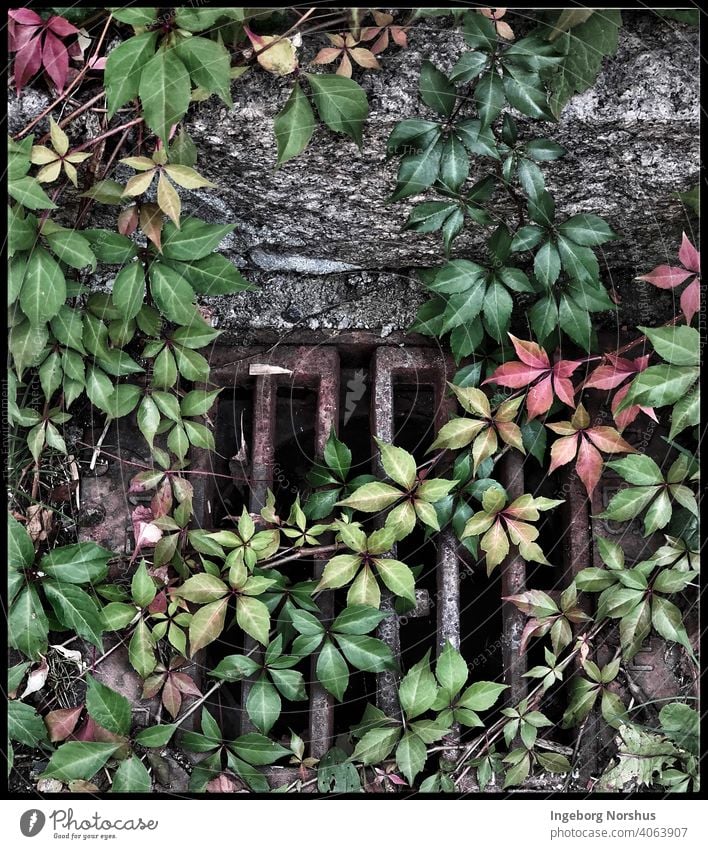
(272, 419)
(397, 389)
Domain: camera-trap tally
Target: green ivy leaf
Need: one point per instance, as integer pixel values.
(24, 724)
(76, 610)
(129, 289)
(587, 230)
(164, 92)
(131, 777)
(80, 563)
(253, 617)
(418, 171)
(436, 90)
(263, 705)
(294, 125)
(78, 760)
(332, 671)
(43, 289)
(418, 689)
(172, 294)
(678, 345)
(209, 65)
(341, 103)
(375, 745)
(193, 240)
(489, 97)
(28, 627)
(20, 553)
(411, 756)
(109, 709)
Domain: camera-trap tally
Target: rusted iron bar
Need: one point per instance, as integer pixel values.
(513, 575)
(425, 368)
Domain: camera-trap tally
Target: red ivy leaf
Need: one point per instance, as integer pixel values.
(28, 61)
(588, 465)
(578, 437)
(61, 26)
(27, 17)
(666, 276)
(689, 257)
(535, 365)
(691, 299)
(55, 59)
(60, 723)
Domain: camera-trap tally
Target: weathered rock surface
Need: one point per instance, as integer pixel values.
(328, 252)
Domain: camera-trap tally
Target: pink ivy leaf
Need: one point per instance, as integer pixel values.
(589, 465)
(515, 375)
(87, 731)
(36, 679)
(610, 376)
(225, 784)
(666, 276)
(396, 779)
(19, 36)
(627, 416)
(27, 17)
(28, 61)
(608, 440)
(530, 353)
(61, 26)
(161, 503)
(159, 603)
(60, 723)
(689, 257)
(97, 63)
(691, 299)
(55, 60)
(563, 451)
(171, 697)
(185, 684)
(539, 398)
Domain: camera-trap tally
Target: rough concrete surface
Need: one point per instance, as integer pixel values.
(328, 252)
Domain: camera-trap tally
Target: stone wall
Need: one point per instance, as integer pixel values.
(328, 252)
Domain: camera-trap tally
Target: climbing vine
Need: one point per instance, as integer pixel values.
(476, 167)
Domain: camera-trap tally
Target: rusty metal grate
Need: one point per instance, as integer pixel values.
(272, 421)
(392, 371)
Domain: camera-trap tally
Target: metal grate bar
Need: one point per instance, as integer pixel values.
(302, 366)
(513, 575)
(425, 367)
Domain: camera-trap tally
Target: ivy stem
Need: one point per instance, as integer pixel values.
(95, 141)
(75, 114)
(90, 201)
(304, 552)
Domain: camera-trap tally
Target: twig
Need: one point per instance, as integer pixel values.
(92, 142)
(97, 447)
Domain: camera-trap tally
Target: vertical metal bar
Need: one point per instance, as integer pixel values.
(513, 575)
(263, 446)
(448, 577)
(578, 553)
(448, 564)
(389, 629)
(428, 368)
(263, 459)
(321, 702)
